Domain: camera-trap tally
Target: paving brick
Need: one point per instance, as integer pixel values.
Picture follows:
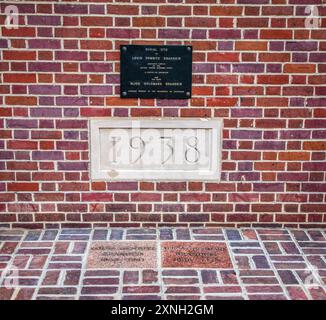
(130, 277)
(150, 276)
(58, 272)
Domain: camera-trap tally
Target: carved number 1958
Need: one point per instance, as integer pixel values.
(138, 144)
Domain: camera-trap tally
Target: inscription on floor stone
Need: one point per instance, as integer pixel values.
(195, 255)
(122, 254)
(156, 71)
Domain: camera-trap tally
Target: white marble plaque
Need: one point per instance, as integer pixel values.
(155, 149)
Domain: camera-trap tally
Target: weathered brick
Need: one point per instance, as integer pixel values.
(255, 66)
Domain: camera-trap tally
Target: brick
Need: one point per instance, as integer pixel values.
(191, 197)
(251, 45)
(23, 186)
(226, 10)
(270, 123)
(314, 145)
(171, 186)
(239, 155)
(242, 217)
(148, 22)
(70, 8)
(47, 155)
(301, 46)
(255, 65)
(248, 68)
(22, 145)
(122, 33)
(200, 22)
(175, 10)
(22, 165)
(277, 10)
(252, 22)
(98, 197)
(276, 34)
(274, 57)
(299, 68)
(145, 112)
(73, 166)
(98, 21)
(141, 289)
(117, 207)
(145, 197)
(122, 9)
(294, 156)
(19, 55)
(273, 79)
(173, 34)
(49, 197)
(44, 20)
(223, 57)
(272, 102)
(222, 102)
(122, 185)
(19, 32)
(21, 100)
(225, 34)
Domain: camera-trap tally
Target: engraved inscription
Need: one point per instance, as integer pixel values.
(174, 149)
(157, 148)
(156, 71)
(122, 254)
(195, 254)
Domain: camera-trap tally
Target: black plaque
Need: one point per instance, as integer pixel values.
(155, 71)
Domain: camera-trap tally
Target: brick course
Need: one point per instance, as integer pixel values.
(254, 64)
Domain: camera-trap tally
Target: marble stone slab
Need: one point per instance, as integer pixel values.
(155, 149)
(122, 254)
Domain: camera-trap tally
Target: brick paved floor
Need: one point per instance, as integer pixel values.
(267, 264)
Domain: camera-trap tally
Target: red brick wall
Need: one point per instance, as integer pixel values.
(255, 65)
